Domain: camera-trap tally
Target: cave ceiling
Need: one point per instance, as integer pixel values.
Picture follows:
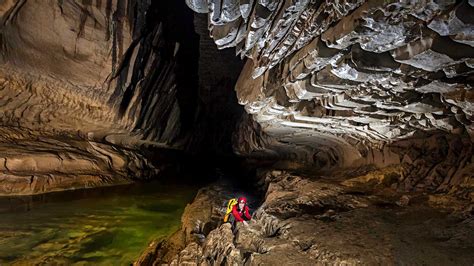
(345, 76)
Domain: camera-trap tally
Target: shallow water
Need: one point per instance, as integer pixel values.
(106, 226)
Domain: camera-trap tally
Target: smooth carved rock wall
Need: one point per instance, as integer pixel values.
(347, 83)
(84, 85)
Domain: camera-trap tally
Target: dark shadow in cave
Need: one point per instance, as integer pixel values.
(178, 26)
(202, 84)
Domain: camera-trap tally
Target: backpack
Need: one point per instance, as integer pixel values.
(230, 205)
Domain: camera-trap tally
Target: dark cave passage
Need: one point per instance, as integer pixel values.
(202, 82)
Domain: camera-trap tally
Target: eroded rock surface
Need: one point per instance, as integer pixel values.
(200, 217)
(85, 86)
(323, 221)
(336, 84)
(349, 219)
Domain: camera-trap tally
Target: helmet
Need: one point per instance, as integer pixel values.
(244, 199)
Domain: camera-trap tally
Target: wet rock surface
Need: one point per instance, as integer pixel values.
(338, 220)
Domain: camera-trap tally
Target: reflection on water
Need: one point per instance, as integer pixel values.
(107, 226)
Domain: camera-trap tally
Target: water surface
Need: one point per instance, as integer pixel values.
(106, 226)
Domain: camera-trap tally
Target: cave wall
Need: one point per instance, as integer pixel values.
(87, 86)
(344, 84)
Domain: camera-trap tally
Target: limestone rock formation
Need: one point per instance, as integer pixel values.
(103, 82)
(326, 222)
(336, 84)
(200, 217)
(355, 219)
(84, 86)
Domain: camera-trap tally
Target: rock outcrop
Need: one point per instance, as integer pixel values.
(200, 217)
(336, 84)
(347, 220)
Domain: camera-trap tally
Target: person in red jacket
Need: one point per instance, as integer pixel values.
(240, 213)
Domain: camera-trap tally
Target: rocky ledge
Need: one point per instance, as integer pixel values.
(355, 219)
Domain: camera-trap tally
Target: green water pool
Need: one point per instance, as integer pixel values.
(107, 226)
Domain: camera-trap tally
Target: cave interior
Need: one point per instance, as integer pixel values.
(347, 124)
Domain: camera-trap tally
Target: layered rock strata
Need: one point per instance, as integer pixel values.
(84, 85)
(336, 84)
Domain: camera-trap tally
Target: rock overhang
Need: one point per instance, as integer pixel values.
(347, 78)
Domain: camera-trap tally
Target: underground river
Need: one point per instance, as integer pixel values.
(103, 226)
